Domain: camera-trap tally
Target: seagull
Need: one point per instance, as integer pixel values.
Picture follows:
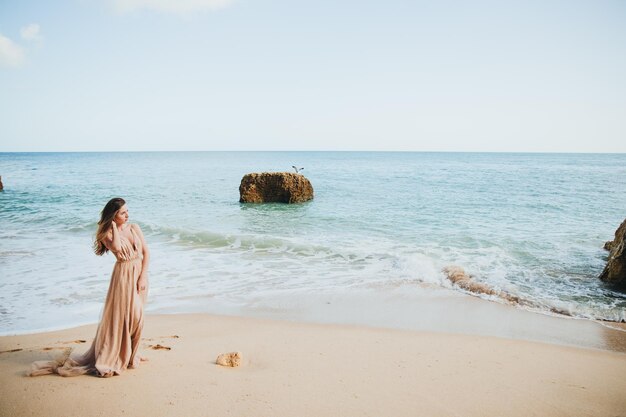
(297, 169)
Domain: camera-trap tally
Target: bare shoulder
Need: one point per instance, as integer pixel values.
(139, 233)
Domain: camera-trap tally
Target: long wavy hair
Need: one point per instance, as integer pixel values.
(104, 225)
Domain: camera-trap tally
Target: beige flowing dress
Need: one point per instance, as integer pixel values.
(114, 348)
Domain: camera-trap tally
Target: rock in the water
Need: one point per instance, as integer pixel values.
(275, 187)
(1, 186)
(619, 234)
(232, 359)
(615, 270)
(458, 276)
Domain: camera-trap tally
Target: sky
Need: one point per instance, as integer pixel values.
(398, 75)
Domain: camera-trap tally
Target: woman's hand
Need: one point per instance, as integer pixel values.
(142, 283)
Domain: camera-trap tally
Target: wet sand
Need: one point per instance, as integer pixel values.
(431, 309)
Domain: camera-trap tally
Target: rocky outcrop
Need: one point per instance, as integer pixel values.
(275, 187)
(1, 186)
(231, 359)
(615, 270)
(619, 235)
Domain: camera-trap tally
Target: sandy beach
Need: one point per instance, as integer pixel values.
(304, 369)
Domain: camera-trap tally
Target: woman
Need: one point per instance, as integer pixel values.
(119, 332)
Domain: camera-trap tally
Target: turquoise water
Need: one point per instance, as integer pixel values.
(532, 225)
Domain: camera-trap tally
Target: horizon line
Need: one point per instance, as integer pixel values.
(318, 151)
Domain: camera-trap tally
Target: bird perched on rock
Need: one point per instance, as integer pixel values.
(297, 169)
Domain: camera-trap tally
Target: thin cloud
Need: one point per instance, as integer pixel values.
(30, 32)
(11, 54)
(171, 6)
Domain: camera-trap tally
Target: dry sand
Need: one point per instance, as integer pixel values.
(296, 369)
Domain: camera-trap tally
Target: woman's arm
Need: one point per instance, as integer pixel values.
(142, 282)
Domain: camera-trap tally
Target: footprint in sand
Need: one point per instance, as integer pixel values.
(11, 350)
(160, 337)
(159, 347)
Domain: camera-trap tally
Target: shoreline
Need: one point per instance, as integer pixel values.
(430, 309)
(295, 368)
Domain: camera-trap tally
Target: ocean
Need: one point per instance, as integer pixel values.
(530, 225)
